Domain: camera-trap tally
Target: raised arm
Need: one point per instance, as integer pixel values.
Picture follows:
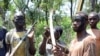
(32, 49)
(42, 47)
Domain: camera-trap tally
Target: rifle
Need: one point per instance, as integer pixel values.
(20, 42)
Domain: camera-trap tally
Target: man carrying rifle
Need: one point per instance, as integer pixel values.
(14, 36)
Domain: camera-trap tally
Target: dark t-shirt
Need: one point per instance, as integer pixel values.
(3, 49)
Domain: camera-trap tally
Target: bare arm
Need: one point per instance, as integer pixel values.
(32, 49)
(42, 48)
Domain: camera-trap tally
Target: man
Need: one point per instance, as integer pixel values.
(3, 48)
(83, 44)
(15, 35)
(93, 19)
(46, 46)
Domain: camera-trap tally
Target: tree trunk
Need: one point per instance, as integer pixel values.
(93, 3)
(46, 15)
(71, 9)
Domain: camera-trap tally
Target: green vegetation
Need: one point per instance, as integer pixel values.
(38, 10)
(67, 35)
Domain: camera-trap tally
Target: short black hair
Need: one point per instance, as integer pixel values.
(18, 14)
(83, 15)
(58, 29)
(95, 14)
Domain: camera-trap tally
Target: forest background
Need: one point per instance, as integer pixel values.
(38, 10)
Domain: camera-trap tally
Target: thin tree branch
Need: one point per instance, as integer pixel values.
(71, 9)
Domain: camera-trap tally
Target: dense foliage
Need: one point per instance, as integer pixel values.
(38, 10)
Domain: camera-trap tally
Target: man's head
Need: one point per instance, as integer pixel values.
(79, 22)
(19, 19)
(58, 32)
(93, 19)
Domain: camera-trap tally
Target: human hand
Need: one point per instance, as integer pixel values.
(30, 35)
(46, 33)
(58, 51)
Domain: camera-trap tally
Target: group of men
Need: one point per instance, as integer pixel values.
(86, 42)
